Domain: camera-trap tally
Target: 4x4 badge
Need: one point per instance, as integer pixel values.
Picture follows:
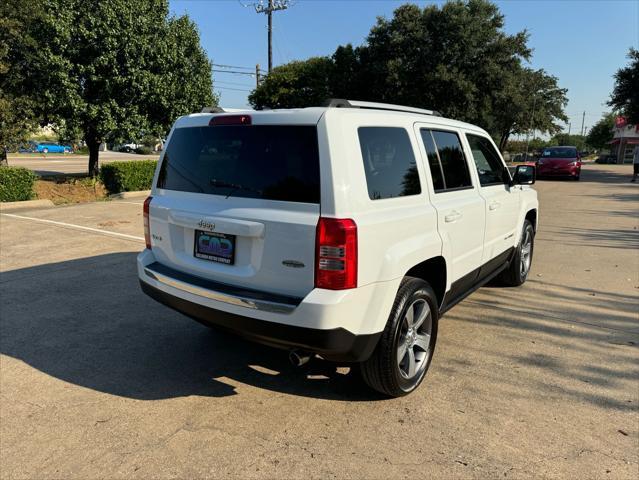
(206, 225)
(293, 264)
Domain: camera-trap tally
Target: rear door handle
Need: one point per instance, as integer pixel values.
(494, 206)
(452, 216)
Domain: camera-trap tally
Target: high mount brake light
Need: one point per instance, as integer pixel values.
(147, 222)
(230, 120)
(336, 254)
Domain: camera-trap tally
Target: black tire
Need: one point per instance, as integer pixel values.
(515, 275)
(383, 370)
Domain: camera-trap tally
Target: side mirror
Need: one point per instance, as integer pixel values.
(525, 175)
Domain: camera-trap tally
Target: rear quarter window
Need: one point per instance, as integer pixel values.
(389, 162)
(271, 162)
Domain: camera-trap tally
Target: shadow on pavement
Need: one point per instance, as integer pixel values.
(575, 328)
(87, 322)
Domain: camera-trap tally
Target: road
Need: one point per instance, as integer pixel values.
(58, 164)
(97, 380)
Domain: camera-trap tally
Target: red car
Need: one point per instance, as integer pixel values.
(559, 162)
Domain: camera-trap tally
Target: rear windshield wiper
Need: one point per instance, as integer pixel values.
(232, 186)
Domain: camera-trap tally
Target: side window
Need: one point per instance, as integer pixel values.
(389, 162)
(489, 166)
(448, 166)
(433, 160)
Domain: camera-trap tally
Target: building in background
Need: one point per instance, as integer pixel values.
(624, 141)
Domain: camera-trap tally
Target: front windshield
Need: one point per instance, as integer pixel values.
(560, 152)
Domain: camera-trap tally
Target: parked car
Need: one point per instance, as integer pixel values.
(344, 232)
(28, 147)
(129, 147)
(606, 158)
(559, 162)
(50, 147)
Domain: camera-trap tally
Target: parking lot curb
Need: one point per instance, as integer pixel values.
(139, 193)
(11, 206)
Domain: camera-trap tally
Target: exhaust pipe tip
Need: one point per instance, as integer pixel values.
(299, 358)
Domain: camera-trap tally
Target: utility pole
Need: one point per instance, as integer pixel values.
(569, 125)
(257, 75)
(268, 7)
(583, 118)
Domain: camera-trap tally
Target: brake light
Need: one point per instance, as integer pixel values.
(147, 223)
(336, 254)
(230, 120)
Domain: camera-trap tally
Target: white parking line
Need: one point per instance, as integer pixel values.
(76, 227)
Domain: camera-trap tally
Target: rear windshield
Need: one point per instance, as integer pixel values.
(271, 162)
(560, 152)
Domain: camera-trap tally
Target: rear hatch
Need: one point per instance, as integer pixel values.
(239, 204)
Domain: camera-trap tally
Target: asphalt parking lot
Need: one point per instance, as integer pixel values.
(98, 381)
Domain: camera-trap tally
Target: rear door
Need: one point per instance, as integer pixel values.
(460, 209)
(240, 204)
(501, 199)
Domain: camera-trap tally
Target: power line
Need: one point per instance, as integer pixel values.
(230, 66)
(236, 72)
(234, 89)
(233, 84)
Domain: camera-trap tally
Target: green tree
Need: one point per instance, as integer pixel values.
(625, 96)
(115, 70)
(564, 139)
(296, 84)
(531, 100)
(601, 133)
(456, 59)
(17, 109)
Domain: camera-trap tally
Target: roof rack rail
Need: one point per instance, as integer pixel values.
(342, 103)
(212, 110)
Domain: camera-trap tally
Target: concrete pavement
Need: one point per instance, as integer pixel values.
(98, 381)
(59, 164)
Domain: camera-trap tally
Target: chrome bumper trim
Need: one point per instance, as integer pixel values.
(254, 304)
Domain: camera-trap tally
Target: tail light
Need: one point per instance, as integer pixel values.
(336, 254)
(147, 222)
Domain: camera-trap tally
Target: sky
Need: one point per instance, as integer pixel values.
(581, 42)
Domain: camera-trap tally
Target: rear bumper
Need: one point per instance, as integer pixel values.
(343, 326)
(335, 344)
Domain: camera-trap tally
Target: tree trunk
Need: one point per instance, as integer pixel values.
(3, 157)
(94, 151)
(504, 140)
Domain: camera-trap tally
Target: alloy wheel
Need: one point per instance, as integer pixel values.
(413, 345)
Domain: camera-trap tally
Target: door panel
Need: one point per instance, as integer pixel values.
(502, 213)
(501, 199)
(461, 211)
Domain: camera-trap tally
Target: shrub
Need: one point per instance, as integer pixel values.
(149, 141)
(128, 176)
(16, 184)
(144, 150)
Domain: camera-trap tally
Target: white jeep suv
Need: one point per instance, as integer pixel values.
(343, 231)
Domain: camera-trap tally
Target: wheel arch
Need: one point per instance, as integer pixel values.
(434, 272)
(531, 216)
